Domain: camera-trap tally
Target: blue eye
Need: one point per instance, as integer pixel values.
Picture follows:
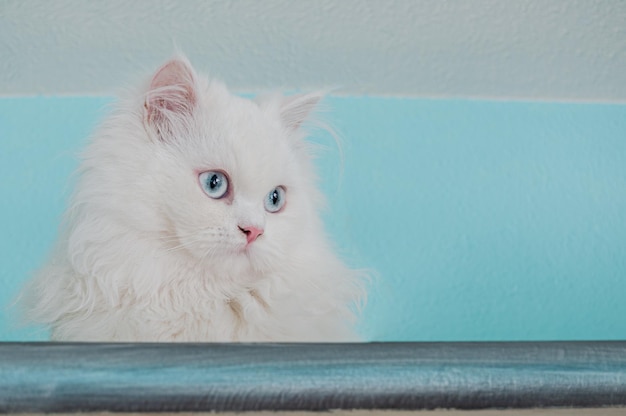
(214, 184)
(275, 200)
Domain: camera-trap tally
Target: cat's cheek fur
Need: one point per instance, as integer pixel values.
(146, 255)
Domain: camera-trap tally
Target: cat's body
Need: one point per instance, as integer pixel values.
(195, 219)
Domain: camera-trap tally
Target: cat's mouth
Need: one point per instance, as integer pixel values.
(248, 249)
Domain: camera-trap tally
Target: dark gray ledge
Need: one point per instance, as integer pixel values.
(53, 377)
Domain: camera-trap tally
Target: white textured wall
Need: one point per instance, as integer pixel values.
(538, 49)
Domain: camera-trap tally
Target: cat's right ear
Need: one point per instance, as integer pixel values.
(171, 98)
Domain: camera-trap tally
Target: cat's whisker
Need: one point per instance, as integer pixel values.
(184, 245)
(187, 242)
(208, 254)
(181, 246)
(178, 237)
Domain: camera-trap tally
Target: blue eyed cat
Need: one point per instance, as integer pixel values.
(195, 218)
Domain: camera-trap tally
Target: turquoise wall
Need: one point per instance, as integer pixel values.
(484, 220)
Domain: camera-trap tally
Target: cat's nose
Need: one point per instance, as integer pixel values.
(251, 232)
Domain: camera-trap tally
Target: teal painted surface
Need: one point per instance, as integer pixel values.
(484, 220)
(57, 378)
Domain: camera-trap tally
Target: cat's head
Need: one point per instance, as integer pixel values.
(234, 177)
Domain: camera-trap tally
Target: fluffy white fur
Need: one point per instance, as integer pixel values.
(146, 255)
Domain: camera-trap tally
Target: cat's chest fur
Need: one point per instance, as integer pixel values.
(192, 313)
(179, 312)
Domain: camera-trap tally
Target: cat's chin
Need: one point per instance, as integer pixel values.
(239, 258)
(243, 250)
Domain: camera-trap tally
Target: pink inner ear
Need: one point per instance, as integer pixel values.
(171, 93)
(175, 72)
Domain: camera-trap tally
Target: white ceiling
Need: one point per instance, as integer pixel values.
(518, 49)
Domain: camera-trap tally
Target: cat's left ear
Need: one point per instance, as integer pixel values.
(297, 108)
(171, 99)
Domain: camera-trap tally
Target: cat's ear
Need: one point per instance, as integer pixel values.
(297, 108)
(171, 97)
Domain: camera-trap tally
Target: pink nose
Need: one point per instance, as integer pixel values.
(252, 233)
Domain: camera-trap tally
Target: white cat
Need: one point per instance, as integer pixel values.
(196, 219)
